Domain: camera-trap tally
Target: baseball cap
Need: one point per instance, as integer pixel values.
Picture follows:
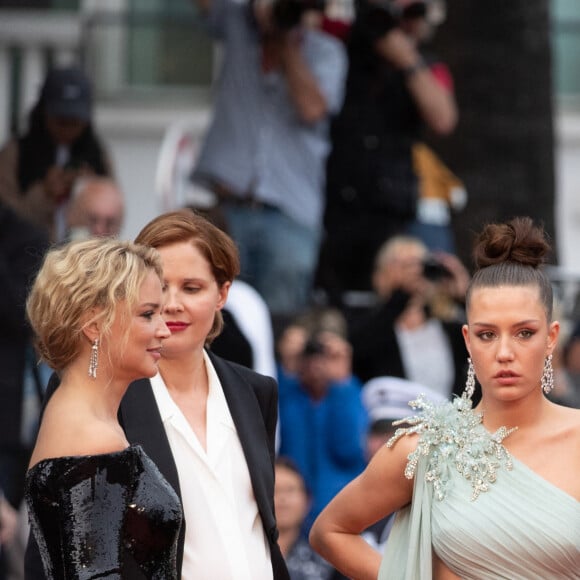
(67, 93)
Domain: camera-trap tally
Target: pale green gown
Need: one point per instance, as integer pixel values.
(486, 515)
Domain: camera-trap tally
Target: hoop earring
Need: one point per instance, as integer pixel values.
(548, 375)
(94, 359)
(470, 382)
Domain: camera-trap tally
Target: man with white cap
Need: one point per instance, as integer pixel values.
(386, 399)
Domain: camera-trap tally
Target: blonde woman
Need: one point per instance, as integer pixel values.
(98, 506)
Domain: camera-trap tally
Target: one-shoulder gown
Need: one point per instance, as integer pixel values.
(486, 515)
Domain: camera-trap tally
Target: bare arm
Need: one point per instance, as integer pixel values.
(436, 104)
(302, 85)
(379, 491)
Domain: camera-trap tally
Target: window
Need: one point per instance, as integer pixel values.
(150, 46)
(566, 50)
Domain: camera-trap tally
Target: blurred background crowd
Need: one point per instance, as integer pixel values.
(350, 148)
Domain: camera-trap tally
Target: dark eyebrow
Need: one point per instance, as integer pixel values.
(520, 323)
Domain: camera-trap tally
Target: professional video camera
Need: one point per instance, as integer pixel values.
(288, 13)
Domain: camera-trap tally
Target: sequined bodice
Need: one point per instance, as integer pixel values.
(108, 516)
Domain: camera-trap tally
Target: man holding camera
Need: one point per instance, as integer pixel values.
(413, 331)
(265, 151)
(394, 92)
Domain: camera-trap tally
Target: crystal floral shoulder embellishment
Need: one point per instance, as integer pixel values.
(452, 434)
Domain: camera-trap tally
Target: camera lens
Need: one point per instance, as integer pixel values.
(434, 270)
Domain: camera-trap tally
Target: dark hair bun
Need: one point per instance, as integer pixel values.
(517, 240)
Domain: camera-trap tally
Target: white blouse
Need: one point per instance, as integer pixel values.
(224, 536)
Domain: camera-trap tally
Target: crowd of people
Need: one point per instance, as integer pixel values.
(204, 402)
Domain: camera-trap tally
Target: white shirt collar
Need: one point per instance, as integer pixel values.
(216, 398)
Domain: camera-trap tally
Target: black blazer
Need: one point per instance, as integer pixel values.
(253, 403)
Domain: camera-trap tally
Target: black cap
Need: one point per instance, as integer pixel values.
(67, 93)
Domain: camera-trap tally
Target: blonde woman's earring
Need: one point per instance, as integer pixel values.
(548, 375)
(94, 360)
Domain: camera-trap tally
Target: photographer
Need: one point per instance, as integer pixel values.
(38, 169)
(414, 332)
(265, 150)
(395, 92)
(323, 421)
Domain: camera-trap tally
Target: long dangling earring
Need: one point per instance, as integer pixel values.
(548, 375)
(470, 383)
(94, 360)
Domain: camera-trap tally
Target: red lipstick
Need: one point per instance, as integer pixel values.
(176, 326)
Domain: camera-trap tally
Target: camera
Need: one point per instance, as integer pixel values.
(435, 270)
(384, 15)
(313, 347)
(287, 14)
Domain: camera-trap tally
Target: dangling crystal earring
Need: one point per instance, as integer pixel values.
(548, 375)
(470, 382)
(94, 360)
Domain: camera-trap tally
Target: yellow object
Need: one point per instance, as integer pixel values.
(436, 180)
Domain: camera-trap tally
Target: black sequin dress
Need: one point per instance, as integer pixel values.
(108, 516)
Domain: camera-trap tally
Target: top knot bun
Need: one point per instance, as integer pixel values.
(518, 240)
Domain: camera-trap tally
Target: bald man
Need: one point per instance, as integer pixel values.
(96, 209)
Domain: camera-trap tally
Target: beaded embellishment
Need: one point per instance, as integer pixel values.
(453, 434)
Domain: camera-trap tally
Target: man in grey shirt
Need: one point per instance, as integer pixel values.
(265, 152)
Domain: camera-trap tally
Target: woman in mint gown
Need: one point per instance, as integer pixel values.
(485, 493)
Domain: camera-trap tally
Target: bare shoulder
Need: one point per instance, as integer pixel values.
(63, 434)
(567, 422)
(403, 446)
(390, 462)
(561, 462)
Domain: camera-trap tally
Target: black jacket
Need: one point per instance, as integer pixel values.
(376, 350)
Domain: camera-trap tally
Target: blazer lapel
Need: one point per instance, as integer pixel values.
(141, 421)
(247, 418)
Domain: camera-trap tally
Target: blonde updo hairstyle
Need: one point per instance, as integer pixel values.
(81, 283)
(512, 254)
